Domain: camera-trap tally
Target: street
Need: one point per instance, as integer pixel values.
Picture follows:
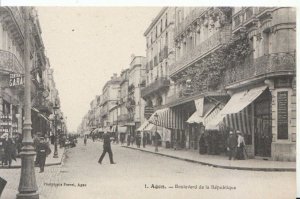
(81, 176)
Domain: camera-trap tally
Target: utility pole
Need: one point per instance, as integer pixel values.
(27, 186)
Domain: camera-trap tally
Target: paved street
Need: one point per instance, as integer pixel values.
(82, 177)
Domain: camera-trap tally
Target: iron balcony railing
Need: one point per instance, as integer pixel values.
(10, 63)
(18, 18)
(159, 83)
(200, 50)
(261, 66)
(193, 15)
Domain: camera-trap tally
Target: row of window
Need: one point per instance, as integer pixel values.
(159, 28)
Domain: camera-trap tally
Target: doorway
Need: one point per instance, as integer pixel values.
(263, 125)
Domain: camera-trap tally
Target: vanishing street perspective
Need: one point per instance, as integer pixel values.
(147, 102)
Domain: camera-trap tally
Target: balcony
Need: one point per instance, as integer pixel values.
(10, 63)
(265, 66)
(200, 51)
(12, 16)
(160, 83)
(194, 14)
(45, 106)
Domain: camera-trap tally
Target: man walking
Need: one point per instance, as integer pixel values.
(43, 150)
(231, 145)
(106, 148)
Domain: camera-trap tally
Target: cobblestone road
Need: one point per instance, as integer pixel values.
(135, 172)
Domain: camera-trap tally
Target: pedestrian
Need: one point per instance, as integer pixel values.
(106, 148)
(10, 151)
(144, 140)
(43, 150)
(138, 140)
(85, 140)
(231, 145)
(36, 141)
(240, 146)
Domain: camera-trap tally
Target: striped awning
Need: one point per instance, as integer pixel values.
(150, 127)
(235, 114)
(168, 118)
(143, 126)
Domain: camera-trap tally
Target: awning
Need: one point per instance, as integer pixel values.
(240, 100)
(114, 128)
(236, 104)
(34, 109)
(143, 126)
(150, 127)
(44, 117)
(168, 118)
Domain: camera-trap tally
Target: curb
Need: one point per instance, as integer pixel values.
(216, 165)
(46, 165)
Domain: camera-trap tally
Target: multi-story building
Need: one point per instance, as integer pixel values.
(266, 78)
(160, 52)
(12, 40)
(111, 95)
(234, 70)
(135, 104)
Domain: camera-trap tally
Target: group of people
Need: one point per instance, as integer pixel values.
(236, 146)
(7, 150)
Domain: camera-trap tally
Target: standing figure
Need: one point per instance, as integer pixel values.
(106, 148)
(138, 140)
(36, 142)
(240, 146)
(9, 150)
(85, 140)
(144, 140)
(231, 145)
(43, 150)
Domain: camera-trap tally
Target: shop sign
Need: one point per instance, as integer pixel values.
(282, 117)
(16, 79)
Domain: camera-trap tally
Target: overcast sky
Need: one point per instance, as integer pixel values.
(86, 46)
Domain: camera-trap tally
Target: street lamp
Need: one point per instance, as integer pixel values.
(27, 185)
(55, 107)
(156, 136)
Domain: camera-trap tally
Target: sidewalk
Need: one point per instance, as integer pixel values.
(50, 161)
(220, 161)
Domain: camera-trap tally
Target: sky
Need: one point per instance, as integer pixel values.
(86, 45)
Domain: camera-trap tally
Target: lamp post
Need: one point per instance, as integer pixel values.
(117, 133)
(27, 185)
(55, 107)
(156, 137)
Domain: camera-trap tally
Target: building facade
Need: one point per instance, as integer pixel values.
(12, 39)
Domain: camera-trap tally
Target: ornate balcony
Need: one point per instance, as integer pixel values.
(10, 63)
(160, 83)
(12, 16)
(200, 51)
(44, 105)
(194, 14)
(267, 65)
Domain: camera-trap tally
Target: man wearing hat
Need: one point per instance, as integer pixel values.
(43, 150)
(231, 145)
(240, 146)
(106, 148)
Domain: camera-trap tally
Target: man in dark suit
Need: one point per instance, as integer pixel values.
(232, 145)
(43, 150)
(106, 148)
